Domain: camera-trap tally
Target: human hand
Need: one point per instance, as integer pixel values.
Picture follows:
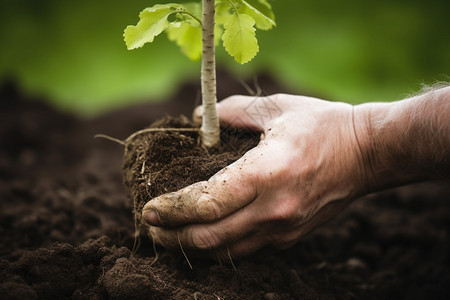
(304, 171)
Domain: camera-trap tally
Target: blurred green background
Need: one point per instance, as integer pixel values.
(73, 53)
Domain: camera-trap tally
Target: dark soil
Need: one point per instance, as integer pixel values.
(161, 162)
(67, 230)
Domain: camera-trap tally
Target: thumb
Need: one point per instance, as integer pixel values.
(228, 190)
(247, 112)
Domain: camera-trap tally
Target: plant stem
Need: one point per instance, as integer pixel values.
(210, 130)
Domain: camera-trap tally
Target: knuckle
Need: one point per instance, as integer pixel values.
(278, 96)
(208, 210)
(205, 239)
(232, 98)
(287, 211)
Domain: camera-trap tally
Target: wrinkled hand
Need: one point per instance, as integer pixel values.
(304, 171)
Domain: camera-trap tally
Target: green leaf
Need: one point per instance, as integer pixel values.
(260, 11)
(222, 12)
(187, 31)
(263, 6)
(239, 37)
(194, 9)
(153, 21)
(188, 37)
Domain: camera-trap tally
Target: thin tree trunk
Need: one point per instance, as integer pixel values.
(210, 130)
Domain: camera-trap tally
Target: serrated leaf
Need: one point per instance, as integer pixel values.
(260, 11)
(263, 6)
(153, 21)
(239, 37)
(188, 38)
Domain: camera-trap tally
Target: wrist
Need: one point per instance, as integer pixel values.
(380, 129)
(405, 141)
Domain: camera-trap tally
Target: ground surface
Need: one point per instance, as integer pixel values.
(66, 227)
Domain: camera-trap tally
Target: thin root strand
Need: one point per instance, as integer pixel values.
(149, 130)
(110, 138)
(231, 260)
(156, 252)
(184, 253)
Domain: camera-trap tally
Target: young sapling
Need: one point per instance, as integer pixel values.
(197, 28)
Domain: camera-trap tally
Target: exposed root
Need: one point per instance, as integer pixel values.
(250, 91)
(136, 244)
(231, 260)
(156, 252)
(110, 138)
(206, 149)
(181, 247)
(259, 91)
(148, 130)
(137, 239)
(143, 167)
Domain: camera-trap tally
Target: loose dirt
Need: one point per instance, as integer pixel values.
(66, 225)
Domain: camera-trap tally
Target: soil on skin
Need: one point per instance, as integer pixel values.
(66, 227)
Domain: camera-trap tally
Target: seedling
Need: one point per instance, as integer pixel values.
(197, 28)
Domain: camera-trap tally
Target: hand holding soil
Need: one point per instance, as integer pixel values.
(316, 156)
(302, 173)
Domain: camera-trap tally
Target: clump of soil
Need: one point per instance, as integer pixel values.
(165, 161)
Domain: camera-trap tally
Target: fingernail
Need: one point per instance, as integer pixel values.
(150, 217)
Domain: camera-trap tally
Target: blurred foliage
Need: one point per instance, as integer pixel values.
(73, 51)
